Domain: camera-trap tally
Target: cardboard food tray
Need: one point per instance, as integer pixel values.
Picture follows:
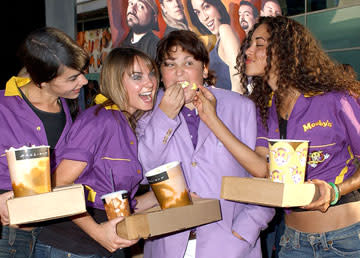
(155, 221)
(265, 192)
(61, 202)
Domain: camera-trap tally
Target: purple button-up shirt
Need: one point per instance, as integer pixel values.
(192, 120)
(163, 140)
(21, 126)
(106, 142)
(331, 122)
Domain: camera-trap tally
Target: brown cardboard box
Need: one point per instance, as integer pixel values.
(157, 222)
(265, 192)
(61, 202)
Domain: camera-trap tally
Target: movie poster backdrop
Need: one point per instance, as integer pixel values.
(220, 24)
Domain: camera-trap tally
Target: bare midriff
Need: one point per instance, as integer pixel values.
(334, 218)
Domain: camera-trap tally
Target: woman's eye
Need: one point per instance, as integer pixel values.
(136, 76)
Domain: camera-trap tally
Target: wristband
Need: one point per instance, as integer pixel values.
(337, 194)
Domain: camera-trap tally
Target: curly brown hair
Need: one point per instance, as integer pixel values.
(300, 64)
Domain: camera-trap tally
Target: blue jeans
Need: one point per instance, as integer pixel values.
(343, 242)
(17, 243)
(270, 237)
(47, 251)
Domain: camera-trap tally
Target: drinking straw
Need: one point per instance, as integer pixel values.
(112, 180)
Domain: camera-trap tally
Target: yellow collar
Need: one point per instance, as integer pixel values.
(312, 94)
(13, 85)
(99, 99)
(306, 95)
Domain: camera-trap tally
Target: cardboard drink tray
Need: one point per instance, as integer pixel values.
(155, 221)
(61, 202)
(265, 192)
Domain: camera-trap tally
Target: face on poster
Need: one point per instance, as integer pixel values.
(205, 17)
(270, 8)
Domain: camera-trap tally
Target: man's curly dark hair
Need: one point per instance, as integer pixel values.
(299, 61)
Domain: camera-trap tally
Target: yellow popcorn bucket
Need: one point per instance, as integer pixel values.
(288, 160)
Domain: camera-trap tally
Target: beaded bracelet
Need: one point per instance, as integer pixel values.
(337, 194)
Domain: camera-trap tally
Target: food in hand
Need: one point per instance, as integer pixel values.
(185, 84)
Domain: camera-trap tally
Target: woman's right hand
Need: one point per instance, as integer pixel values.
(173, 100)
(3, 208)
(108, 238)
(205, 103)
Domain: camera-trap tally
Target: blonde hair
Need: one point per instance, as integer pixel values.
(118, 62)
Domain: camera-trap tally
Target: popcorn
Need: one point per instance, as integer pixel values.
(184, 84)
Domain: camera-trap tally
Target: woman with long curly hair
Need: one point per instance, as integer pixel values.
(300, 93)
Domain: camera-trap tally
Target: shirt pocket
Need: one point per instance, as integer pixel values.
(123, 171)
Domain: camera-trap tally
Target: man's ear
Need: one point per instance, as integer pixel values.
(205, 72)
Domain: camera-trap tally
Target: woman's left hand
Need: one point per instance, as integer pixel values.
(323, 202)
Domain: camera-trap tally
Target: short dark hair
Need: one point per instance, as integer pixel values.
(190, 43)
(254, 9)
(225, 18)
(263, 2)
(45, 51)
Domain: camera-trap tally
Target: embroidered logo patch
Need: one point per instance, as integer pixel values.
(310, 125)
(317, 157)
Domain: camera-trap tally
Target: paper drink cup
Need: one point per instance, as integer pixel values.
(288, 160)
(169, 186)
(29, 170)
(116, 204)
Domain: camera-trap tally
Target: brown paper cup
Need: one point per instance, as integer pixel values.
(169, 186)
(29, 170)
(116, 204)
(288, 160)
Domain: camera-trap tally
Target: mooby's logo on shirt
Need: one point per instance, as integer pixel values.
(310, 125)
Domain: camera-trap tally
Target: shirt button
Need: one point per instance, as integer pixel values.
(131, 142)
(138, 171)
(194, 164)
(188, 114)
(38, 128)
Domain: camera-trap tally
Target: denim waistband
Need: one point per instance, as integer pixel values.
(15, 233)
(324, 237)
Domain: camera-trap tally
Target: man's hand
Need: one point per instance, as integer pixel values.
(172, 101)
